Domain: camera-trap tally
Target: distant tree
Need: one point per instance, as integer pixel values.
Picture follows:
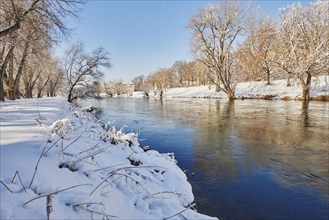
(48, 70)
(160, 80)
(115, 87)
(55, 80)
(108, 89)
(119, 87)
(201, 73)
(179, 69)
(30, 78)
(215, 30)
(81, 69)
(138, 82)
(190, 73)
(196, 73)
(255, 52)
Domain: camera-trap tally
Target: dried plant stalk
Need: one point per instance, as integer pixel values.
(17, 174)
(49, 205)
(6, 186)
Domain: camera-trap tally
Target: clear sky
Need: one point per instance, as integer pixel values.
(142, 36)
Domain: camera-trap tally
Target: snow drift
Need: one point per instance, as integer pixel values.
(70, 166)
(254, 90)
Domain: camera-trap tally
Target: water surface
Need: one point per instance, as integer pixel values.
(251, 159)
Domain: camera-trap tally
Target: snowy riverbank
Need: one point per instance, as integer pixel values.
(256, 90)
(83, 170)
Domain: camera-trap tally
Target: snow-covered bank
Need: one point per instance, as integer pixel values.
(277, 90)
(83, 170)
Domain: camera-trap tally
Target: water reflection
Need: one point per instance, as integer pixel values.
(251, 159)
(234, 138)
(305, 117)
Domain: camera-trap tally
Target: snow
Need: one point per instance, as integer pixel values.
(277, 90)
(90, 171)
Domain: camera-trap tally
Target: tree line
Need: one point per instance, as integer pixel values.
(28, 31)
(231, 45)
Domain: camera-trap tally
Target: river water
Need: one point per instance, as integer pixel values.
(251, 159)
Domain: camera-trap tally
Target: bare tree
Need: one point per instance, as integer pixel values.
(215, 30)
(201, 73)
(190, 74)
(14, 13)
(160, 80)
(30, 78)
(12, 78)
(255, 52)
(55, 80)
(31, 45)
(179, 68)
(20, 24)
(53, 13)
(81, 69)
(43, 80)
(6, 58)
(138, 82)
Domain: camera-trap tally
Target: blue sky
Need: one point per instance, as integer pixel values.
(142, 36)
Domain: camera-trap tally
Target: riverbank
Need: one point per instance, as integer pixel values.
(56, 159)
(256, 90)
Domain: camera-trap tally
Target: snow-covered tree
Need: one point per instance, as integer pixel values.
(215, 32)
(303, 40)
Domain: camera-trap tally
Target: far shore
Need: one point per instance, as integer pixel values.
(277, 90)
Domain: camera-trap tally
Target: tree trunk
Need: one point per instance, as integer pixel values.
(2, 92)
(230, 95)
(11, 93)
(42, 88)
(69, 98)
(51, 92)
(26, 88)
(5, 61)
(288, 81)
(229, 92)
(218, 89)
(306, 87)
(20, 69)
(10, 80)
(268, 76)
(40, 91)
(16, 86)
(217, 83)
(29, 92)
(306, 94)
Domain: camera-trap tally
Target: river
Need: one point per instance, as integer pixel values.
(251, 159)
